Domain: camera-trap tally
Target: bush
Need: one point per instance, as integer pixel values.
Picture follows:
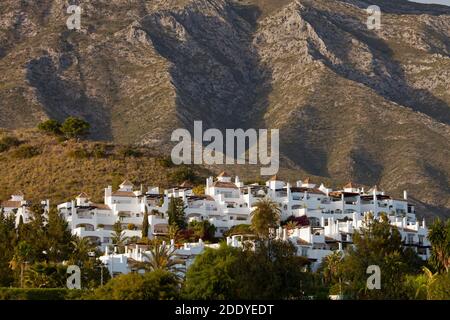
(50, 126)
(26, 151)
(155, 285)
(99, 151)
(39, 294)
(238, 229)
(131, 226)
(129, 151)
(75, 128)
(165, 162)
(78, 153)
(183, 174)
(8, 142)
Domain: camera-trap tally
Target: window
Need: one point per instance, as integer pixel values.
(420, 240)
(304, 251)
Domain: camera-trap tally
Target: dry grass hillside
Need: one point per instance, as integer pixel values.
(371, 106)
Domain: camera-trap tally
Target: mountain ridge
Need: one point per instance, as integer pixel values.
(351, 103)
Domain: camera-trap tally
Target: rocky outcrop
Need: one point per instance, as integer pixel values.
(351, 103)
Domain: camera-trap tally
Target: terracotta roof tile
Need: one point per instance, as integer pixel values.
(123, 194)
(223, 174)
(11, 204)
(221, 184)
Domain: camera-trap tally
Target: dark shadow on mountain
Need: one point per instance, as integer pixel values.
(365, 170)
(61, 98)
(429, 211)
(301, 141)
(217, 73)
(388, 77)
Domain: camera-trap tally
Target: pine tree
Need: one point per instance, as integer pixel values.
(8, 239)
(58, 237)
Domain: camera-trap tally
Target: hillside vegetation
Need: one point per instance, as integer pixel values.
(371, 106)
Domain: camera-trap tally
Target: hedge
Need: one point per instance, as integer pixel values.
(40, 294)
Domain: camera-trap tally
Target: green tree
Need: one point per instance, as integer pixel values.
(50, 126)
(145, 224)
(75, 128)
(156, 285)
(271, 271)
(176, 212)
(160, 257)
(20, 260)
(8, 239)
(212, 275)
(439, 237)
(46, 275)
(59, 237)
(202, 230)
(82, 247)
(330, 267)
(266, 215)
(378, 243)
(118, 237)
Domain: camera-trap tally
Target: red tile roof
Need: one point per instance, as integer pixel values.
(11, 204)
(221, 184)
(123, 194)
(223, 174)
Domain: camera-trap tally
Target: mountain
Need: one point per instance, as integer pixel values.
(371, 106)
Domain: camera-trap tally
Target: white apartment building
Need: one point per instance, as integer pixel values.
(20, 208)
(333, 215)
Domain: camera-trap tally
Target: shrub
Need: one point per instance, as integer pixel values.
(183, 174)
(238, 229)
(78, 153)
(99, 151)
(75, 128)
(155, 285)
(39, 294)
(26, 151)
(165, 162)
(50, 126)
(129, 151)
(8, 142)
(131, 226)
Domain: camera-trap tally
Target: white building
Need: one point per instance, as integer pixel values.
(21, 208)
(333, 215)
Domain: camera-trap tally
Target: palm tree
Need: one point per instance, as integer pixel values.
(291, 225)
(265, 216)
(82, 247)
(20, 259)
(160, 257)
(439, 237)
(430, 280)
(330, 266)
(118, 237)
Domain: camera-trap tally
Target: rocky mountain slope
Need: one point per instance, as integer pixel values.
(372, 106)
